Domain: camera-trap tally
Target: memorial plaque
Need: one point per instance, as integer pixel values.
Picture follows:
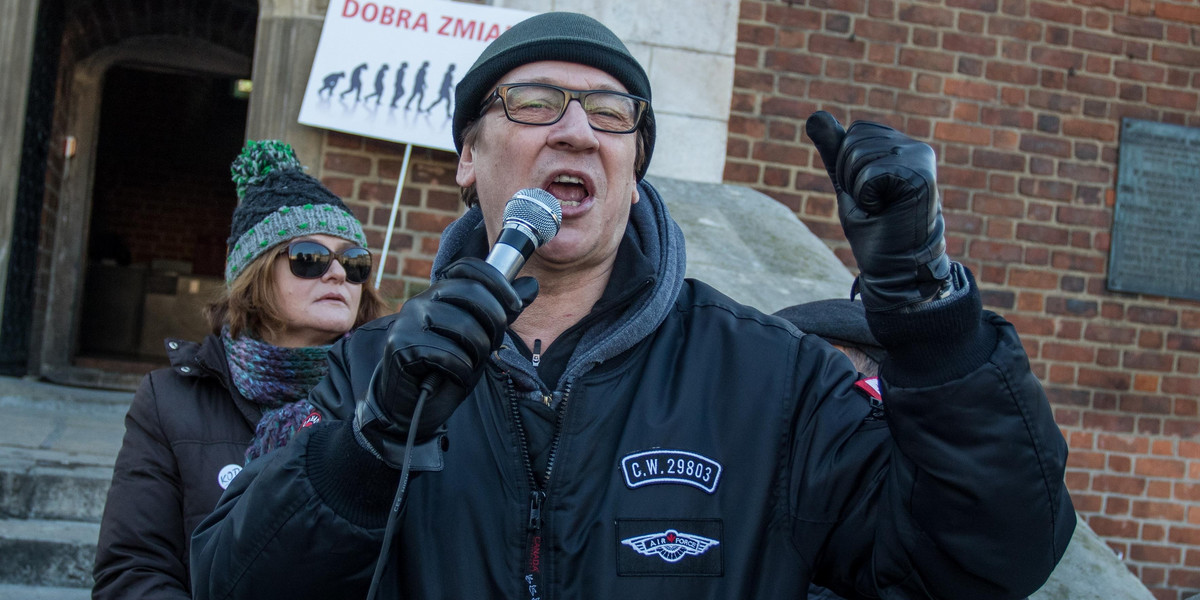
(1156, 224)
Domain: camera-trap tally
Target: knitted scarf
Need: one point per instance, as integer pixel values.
(277, 379)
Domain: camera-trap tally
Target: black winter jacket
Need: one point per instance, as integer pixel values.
(186, 434)
(699, 449)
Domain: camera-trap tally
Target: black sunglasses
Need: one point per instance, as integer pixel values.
(310, 260)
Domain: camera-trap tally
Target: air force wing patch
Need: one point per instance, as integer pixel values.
(658, 547)
(670, 545)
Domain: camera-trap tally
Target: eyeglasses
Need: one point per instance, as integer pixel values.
(310, 260)
(544, 104)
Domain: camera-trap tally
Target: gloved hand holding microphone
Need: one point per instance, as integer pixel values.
(441, 338)
(888, 203)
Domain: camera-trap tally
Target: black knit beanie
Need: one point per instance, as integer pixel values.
(562, 36)
(278, 201)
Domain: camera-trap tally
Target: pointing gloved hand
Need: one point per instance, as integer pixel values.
(886, 185)
(441, 338)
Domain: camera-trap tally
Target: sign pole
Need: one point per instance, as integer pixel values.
(387, 239)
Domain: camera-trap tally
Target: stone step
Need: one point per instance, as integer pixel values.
(48, 484)
(30, 592)
(39, 552)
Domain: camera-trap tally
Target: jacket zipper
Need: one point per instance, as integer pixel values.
(534, 556)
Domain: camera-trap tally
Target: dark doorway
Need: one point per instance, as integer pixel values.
(161, 206)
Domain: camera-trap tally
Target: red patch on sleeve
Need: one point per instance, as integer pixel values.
(870, 387)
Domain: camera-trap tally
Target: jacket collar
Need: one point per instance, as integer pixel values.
(652, 231)
(207, 360)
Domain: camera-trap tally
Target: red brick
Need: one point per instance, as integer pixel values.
(1095, 42)
(1148, 361)
(1120, 464)
(1025, 29)
(1181, 342)
(1012, 73)
(1056, 13)
(835, 46)
(758, 35)
(1068, 352)
(870, 29)
(1156, 554)
(741, 172)
(1177, 12)
(1042, 234)
(1118, 528)
(414, 267)
(957, 132)
(1104, 379)
(421, 221)
(1187, 386)
(1072, 261)
(1177, 56)
(1073, 215)
(932, 60)
(1085, 172)
(971, 90)
(1004, 161)
(1050, 145)
(1147, 509)
(1171, 98)
(1086, 460)
(346, 163)
(926, 15)
(985, 250)
(1159, 467)
(1035, 279)
(970, 44)
(1107, 422)
(1115, 506)
(1152, 315)
(779, 154)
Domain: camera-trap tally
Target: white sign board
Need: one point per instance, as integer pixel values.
(388, 69)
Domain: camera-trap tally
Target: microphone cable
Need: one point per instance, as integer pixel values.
(431, 381)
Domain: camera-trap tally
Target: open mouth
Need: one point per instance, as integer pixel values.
(569, 189)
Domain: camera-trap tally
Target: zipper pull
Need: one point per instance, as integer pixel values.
(537, 353)
(535, 510)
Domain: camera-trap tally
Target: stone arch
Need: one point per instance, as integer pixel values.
(68, 247)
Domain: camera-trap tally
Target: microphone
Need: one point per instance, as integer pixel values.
(531, 217)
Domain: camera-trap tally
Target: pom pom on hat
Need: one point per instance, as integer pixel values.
(278, 202)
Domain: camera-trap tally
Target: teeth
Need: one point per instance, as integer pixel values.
(568, 179)
(570, 203)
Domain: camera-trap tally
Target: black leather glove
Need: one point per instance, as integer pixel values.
(886, 185)
(441, 338)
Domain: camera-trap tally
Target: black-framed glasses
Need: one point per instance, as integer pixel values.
(310, 260)
(545, 104)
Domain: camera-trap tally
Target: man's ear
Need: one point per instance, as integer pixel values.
(465, 176)
(636, 195)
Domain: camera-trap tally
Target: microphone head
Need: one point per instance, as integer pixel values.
(535, 211)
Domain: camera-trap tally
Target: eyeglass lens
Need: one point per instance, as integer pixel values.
(539, 104)
(310, 260)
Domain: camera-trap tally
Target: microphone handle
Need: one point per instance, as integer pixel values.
(511, 250)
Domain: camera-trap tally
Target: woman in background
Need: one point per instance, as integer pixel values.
(296, 279)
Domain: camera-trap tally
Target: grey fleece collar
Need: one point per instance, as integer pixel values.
(655, 232)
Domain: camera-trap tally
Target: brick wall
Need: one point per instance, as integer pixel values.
(364, 172)
(1023, 102)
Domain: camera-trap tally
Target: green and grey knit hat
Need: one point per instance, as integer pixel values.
(278, 202)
